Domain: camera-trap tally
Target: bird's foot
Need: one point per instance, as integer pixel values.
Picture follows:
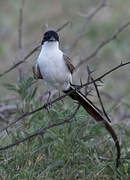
(48, 106)
(48, 103)
(77, 87)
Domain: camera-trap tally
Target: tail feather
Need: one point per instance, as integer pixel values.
(90, 108)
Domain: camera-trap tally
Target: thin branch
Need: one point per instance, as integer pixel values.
(32, 112)
(21, 61)
(87, 20)
(29, 54)
(63, 26)
(42, 131)
(100, 100)
(20, 28)
(107, 73)
(89, 78)
(103, 43)
(20, 32)
(80, 63)
(63, 96)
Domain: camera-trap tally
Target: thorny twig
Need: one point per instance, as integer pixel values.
(100, 100)
(95, 115)
(42, 131)
(89, 78)
(98, 94)
(106, 73)
(63, 96)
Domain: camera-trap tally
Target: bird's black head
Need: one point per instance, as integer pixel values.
(50, 36)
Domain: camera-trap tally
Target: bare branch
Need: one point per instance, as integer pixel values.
(29, 54)
(89, 78)
(36, 110)
(20, 25)
(100, 100)
(107, 73)
(20, 29)
(63, 96)
(87, 20)
(63, 26)
(21, 61)
(80, 63)
(102, 44)
(42, 131)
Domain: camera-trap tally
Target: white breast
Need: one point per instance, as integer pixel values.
(53, 68)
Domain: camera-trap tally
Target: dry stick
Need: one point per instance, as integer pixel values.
(21, 61)
(20, 25)
(89, 78)
(20, 28)
(42, 131)
(87, 20)
(29, 54)
(80, 63)
(100, 100)
(61, 97)
(32, 112)
(102, 44)
(108, 72)
(63, 26)
(108, 126)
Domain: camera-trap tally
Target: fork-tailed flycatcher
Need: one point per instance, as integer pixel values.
(56, 69)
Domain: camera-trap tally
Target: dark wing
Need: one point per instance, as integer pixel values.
(68, 63)
(36, 71)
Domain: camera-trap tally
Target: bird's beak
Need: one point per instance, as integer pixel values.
(52, 39)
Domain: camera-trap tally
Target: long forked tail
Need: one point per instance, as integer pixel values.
(90, 108)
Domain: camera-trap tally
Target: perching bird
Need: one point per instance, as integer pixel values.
(55, 68)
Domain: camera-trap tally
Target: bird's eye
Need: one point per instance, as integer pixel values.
(47, 37)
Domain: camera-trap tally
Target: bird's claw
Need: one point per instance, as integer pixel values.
(48, 106)
(77, 87)
(48, 103)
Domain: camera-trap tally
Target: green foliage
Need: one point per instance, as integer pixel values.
(79, 149)
(23, 88)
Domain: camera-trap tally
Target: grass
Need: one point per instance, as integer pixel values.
(81, 149)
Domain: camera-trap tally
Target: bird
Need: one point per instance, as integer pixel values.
(56, 69)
